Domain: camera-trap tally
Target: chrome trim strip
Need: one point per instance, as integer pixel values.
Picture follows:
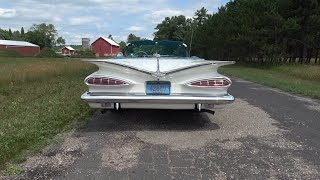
(144, 94)
(225, 99)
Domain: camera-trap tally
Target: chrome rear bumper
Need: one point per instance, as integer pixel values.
(163, 99)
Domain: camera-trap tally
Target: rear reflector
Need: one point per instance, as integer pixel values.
(105, 81)
(215, 82)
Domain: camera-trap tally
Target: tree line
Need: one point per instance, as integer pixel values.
(44, 35)
(261, 31)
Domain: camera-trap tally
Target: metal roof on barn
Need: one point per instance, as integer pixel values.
(17, 43)
(68, 47)
(110, 41)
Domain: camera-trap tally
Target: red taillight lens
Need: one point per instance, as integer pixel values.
(218, 82)
(105, 81)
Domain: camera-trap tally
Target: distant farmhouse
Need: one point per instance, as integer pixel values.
(105, 47)
(67, 51)
(22, 47)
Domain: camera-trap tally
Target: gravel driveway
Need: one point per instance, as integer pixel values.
(265, 134)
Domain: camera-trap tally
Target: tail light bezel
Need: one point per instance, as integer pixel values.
(104, 78)
(208, 79)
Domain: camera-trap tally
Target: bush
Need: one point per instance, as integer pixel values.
(48, 52)
(84, 54)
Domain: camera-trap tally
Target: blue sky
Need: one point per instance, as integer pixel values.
(75, 19)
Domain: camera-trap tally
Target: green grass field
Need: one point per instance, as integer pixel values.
(298, 79)
(39, 98)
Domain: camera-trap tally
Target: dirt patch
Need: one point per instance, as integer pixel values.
(122, 153)
(52, 159)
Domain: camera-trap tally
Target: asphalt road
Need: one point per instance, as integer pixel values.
(264, 134)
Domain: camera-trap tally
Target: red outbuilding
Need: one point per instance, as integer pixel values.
(67, 51)
(105, 47)
(22, 47)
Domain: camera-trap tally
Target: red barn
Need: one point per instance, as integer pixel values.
(105, 47)
(22, 47)
(67, 51)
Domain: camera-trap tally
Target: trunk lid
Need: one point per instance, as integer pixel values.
(166, 64)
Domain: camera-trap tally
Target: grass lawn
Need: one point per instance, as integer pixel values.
(38, 99)
(298, 79)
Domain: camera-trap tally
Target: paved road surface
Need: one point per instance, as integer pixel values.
(264, 134)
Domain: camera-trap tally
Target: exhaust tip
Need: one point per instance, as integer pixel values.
(117, 106)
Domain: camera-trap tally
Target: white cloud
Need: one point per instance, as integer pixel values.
(7, 13)
(101, 26)
(158, 16)
(83, 20)
(136, 28)
(73, 19)
(120, 38)
(12, 28)
(73, 38)
(56, 18)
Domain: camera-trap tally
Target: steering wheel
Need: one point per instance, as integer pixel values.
(141, 52)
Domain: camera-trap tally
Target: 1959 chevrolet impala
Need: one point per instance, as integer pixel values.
(157, 75)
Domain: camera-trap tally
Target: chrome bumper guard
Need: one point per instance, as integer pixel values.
(173, 99)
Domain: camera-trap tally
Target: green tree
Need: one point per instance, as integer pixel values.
(122, 45)
(4, 34)
(16, 36)
(22, 35)
(132, 37)
(175, 28)
(264, 31)
(44, 35)
(60, 41)
(22, 31)
(10, 33)
(201, 15)
(39, 38)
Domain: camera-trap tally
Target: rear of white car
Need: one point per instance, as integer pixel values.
(157, 83)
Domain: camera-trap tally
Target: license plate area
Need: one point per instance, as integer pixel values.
(158, 87)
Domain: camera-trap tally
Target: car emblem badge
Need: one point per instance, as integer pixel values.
(158, 74)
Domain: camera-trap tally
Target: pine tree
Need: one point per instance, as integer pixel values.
(22, 31)
(10, 33)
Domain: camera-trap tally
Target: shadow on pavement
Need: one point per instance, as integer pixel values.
(156, 120)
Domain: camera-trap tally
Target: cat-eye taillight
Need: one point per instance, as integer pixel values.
(210, 82)
(105, 81)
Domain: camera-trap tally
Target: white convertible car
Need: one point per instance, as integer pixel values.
(157, 75)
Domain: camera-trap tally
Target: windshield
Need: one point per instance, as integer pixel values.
(149, 48)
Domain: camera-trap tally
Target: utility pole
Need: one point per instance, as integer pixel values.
(192, 30)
